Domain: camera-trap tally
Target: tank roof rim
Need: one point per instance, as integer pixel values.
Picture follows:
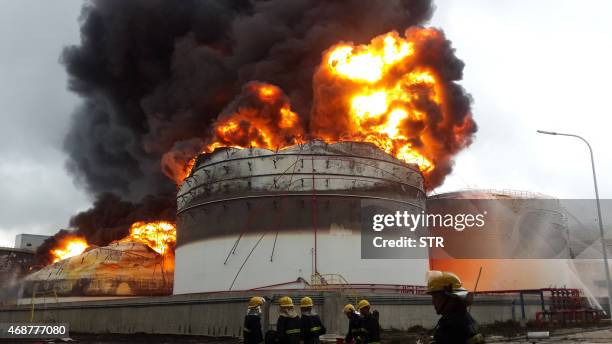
(287, 151)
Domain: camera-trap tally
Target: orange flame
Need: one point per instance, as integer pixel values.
(159, 235)
(264, 119)
(69, 246)
(381, 94)
(184, 170)
(390, 92)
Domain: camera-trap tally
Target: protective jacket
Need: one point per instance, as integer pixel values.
(312, 328)
(355, 331)
(371, 328)
(457, 328)
(251, 332)
(288, 328)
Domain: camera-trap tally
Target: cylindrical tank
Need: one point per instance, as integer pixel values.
(119, 269)
(523, 244)
(257, 218)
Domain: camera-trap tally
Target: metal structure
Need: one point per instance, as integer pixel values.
(567, 306)
(601, 229)
(249, 218)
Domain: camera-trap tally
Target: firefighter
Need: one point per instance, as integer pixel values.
(252, 333)
(370, 326)
(288, 324)
(355, 333)
(312, 327)
(450, 299)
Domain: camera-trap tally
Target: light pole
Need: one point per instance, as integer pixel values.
(601, 230)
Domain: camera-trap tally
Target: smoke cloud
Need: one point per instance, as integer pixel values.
(110, 218)
(155, 74)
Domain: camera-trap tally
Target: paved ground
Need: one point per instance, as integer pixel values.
(597, 336)
(135, 338)
(565, 337)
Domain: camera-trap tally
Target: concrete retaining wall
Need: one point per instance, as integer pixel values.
(222, 314)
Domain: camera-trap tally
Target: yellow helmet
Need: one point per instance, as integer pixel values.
(306, 302)
(362, 304)
(285, 301)
(443, 281)
(349, 308)
(256, 301)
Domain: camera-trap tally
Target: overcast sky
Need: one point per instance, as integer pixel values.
(529, 65)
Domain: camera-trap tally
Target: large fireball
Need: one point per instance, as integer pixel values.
(396, 92)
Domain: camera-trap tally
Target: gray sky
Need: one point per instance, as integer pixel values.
(529, 65)
(36, 193)
(534, 65)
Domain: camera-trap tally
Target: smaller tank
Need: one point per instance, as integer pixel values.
(523, 244)
(119, 269)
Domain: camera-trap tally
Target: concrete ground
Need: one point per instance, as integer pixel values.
(591, 336)
(128, 339)
(594, 336)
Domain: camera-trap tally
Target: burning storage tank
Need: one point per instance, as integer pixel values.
(257, 218)
(123, 268)
(140, 264)
(523, 245)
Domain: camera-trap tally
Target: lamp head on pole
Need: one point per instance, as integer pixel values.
(547, 132)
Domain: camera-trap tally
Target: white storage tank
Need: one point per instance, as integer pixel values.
(255, 218)
(524, 244)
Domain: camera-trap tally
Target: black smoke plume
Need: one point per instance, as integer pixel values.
(109, 219)
(154, 74)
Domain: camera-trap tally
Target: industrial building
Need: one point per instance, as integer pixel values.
(29, 241)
